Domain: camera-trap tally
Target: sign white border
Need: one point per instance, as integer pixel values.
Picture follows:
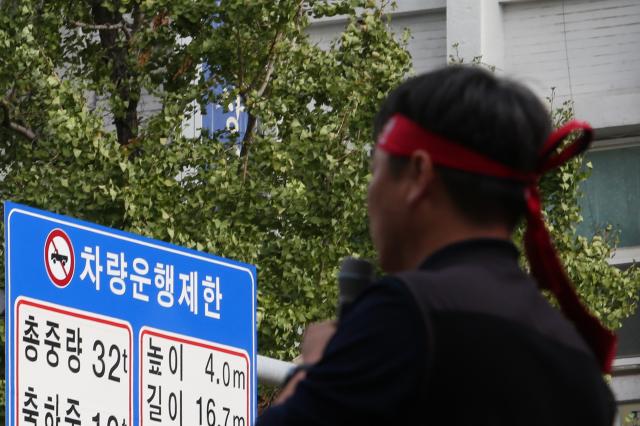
(189, 340)
(87, 316)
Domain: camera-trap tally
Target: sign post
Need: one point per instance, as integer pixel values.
(107, 328)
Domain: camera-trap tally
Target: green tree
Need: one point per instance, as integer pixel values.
(292, 201)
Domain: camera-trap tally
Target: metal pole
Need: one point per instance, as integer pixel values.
(273, 371)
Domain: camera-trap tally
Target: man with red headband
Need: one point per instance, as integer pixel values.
(458, 334)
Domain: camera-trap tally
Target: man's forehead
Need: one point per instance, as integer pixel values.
(386, 130)
(378, 157)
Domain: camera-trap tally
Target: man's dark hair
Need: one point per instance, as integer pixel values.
(493, 116)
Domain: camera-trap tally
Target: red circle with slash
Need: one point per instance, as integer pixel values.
(59, 258)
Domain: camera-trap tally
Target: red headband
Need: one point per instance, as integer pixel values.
(402, 136)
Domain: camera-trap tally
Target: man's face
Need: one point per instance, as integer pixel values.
(386, 211)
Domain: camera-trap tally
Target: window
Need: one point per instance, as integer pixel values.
(612, 194)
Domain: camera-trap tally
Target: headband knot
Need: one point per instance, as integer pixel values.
(401, 136)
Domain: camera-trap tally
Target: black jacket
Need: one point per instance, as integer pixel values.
(467, 340)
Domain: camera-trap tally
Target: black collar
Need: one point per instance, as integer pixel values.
(474, 251)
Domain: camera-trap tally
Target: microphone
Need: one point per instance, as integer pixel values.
(354, 277)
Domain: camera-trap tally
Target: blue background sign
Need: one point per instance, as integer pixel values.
(232, 117)
(203, 305)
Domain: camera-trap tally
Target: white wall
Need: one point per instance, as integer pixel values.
(575, 46)
(428, 43)
(588, 49)
(426, 20)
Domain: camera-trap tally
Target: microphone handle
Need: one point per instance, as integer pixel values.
(354, 277)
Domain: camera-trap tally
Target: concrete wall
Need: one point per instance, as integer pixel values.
(427, 25)
(587, 49)
(575, 46)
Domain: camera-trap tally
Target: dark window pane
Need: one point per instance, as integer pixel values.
(629, 337)
(612, 194)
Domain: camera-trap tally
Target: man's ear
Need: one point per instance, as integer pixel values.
(421, 175)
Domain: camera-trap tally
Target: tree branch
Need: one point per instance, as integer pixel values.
(6, 122)
(5, 113)
(11, 93)
(269, 66)
(271, 56)
(27, 133)
(105, 27)
(99, 26)
(270, 59)
(251, 124)
(240, 59)
(137, 17)
(246, 143)
(121, 73)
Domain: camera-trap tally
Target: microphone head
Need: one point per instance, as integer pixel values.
(354, 276)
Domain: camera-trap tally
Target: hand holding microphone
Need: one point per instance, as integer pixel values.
(354, 277)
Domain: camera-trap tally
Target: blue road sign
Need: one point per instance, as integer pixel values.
(231, 117)
(108, 328)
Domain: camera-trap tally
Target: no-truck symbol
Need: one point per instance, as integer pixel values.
(59, 258)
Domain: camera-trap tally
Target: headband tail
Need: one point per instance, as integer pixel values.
(548, 271)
